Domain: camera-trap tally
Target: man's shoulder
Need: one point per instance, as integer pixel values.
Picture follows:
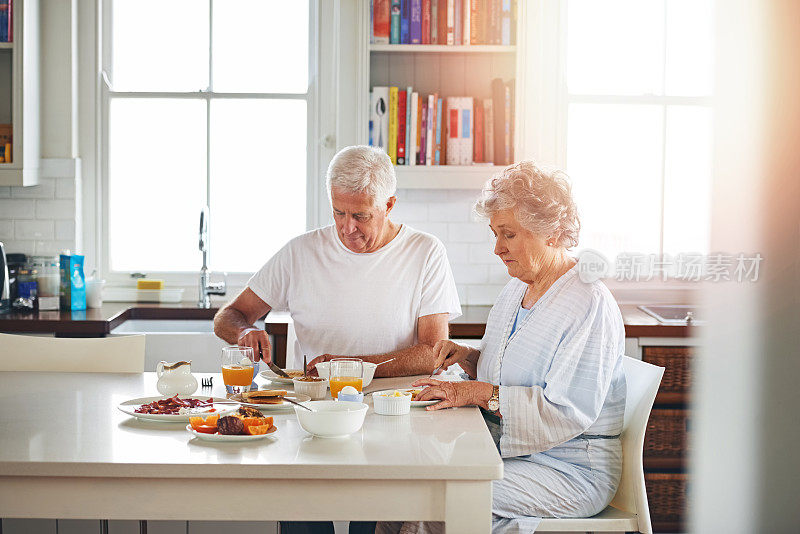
(311, 238)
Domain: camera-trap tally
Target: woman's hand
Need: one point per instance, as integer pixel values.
(453, 394)
(449, 353)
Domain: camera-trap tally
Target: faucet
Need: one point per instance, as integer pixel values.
(207, 288)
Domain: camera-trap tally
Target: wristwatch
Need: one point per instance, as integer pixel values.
(494, 400)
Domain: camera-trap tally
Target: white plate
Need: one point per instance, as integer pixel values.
(272, 377)
(299, 397)
(130, 406)
(406, 390)
(226, 437)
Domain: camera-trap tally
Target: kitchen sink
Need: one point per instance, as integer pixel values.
(175, 340)
(676, 314)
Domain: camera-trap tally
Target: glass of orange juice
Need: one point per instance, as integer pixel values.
(346, 372)
(237, 368)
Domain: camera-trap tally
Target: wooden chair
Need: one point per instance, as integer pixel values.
(628, 511)
(121, 354)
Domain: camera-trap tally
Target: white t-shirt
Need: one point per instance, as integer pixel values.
(357, 304)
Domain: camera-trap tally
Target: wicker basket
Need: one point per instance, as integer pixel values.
(677, 363)
(666, 496)
(667, 433)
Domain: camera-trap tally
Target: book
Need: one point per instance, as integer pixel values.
(401, 127)
(505, 23)
(441, 21)
(419, 128)
(498, 105)
(394, 28)
(435, 22)
(466, 31)
(405, 20)
(415, 26)
(426, 21)
(4, 20)
(467, 128)
(371, 128)
(437, 158)
(476, 18)
(381, 16)
(460, 135)
(423, 136)
(413, 134)
(408, 145)
(379, 110)
(429, 142)
(488, 133)
(452, 131)
(493, 33)
(443, 158)
(459, 22)
(478, 143)
(393, 124)
(509, 122)
(451, 22)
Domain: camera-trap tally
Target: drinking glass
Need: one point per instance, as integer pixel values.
(238, 369)
(346, 372)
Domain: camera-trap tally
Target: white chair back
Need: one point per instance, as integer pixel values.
(120, 354)
(642, 381)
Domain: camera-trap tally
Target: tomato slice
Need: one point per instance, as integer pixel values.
(206, 429)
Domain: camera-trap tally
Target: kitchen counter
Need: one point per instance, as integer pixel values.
(73, 454)
(99, 322)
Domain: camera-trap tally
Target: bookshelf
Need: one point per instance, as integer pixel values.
(19, 95)
(449, 70)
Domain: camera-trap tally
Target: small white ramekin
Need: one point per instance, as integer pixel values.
(391, 405)
(316, 390)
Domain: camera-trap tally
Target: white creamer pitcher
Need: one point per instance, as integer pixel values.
(175, 378)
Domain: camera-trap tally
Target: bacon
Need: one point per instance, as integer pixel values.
(172, 405)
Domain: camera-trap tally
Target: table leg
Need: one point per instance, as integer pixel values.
(468, 507)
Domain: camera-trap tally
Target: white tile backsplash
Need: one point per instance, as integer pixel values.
(41, 219)
(448, 215)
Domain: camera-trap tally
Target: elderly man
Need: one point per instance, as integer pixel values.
(364, 286)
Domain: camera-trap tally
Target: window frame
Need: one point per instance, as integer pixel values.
(189, 279)
(545, 76)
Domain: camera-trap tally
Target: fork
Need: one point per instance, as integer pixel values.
(207, 382)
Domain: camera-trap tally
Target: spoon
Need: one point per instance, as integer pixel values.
(387, 361)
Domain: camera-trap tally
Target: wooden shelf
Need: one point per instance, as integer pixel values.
(451, 49)
(444, 176)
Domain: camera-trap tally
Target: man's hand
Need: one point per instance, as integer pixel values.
(250, 337)
(312, 365)
(453, 394)
(447, 353)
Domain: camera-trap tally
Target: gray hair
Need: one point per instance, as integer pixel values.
(541, 198)
(363, 169)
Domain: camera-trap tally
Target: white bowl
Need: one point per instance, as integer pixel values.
(316, 390)
(324, 371)
(390, 405)
(331, 419)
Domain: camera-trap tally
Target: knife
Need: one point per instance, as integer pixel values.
(275, 369)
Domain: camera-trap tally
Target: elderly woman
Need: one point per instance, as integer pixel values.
(548, 375)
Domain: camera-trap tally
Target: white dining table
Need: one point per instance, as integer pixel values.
(68, 452)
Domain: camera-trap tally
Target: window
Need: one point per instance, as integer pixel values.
(638, 123)
(205, 102)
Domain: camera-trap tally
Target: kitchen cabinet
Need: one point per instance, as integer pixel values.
(19, 96)
(667, 438)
